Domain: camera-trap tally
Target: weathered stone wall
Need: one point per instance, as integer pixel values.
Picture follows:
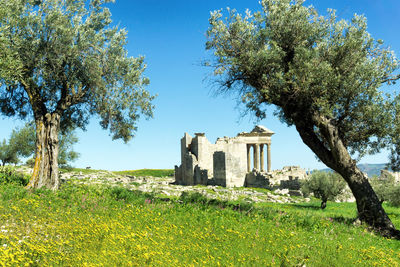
(204, 150)
(225, 161)
(293, 184)
(220, 174)
(289, 174)
(257, 179)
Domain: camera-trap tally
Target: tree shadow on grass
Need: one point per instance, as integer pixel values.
(343, 220)
(317, 207)
(309, 206)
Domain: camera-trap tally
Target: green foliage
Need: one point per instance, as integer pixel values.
(8, 153)
(122, 193)
(199, 199)
(394, 196)
(387, 189)
(100, 225)
(64, 58)
(383, 186)
(193, 197)
(318, 71)
(323, 76)
(8, 175)
(324, 185)
(22, 144)
(66, 153)
(12, 192)
(148, 172)
(24, 140)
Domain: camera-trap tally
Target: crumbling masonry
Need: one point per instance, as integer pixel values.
(228, 161)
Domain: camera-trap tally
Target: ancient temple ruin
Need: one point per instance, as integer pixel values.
(227, 162)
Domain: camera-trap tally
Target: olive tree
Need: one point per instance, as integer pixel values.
(324, 185)
(23, 140)
(62, 61)
(8, 153)
(323, 76)
(20, 144)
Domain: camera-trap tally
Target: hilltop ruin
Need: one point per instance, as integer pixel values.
(232, 161)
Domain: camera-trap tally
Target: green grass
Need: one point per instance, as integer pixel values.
(79, 170)
(97, 225)
(148, 172)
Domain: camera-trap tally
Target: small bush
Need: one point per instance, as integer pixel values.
(383, 186)
(324, 185)
(195, 197)
(8, 175)
(386, 189)
(122, 193)
(393, 196)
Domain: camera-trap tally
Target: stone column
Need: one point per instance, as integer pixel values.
(262, 157)
(248, 158)
(257, 157)
(268, 157)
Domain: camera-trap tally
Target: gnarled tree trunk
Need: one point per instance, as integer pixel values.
(335, 155)
(45, 171)
(369, 206)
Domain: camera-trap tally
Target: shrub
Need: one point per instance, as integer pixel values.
(386, 189)
(8, 175)
(394, 196)
(193, 197)
(124, 194)
(324, 185)
(383, 186)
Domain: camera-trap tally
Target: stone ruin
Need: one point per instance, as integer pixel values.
(236, 161)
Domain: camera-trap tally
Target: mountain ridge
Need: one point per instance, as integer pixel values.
(371, 169)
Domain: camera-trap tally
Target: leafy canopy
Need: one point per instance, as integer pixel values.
(65, 57)
(8, 153)
(20, 144)
(311, 67)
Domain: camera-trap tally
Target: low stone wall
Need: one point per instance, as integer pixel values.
(290, 184)
(257, 179)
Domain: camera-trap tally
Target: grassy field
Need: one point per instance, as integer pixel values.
(141, 172)
(103, 226)
(148, 172)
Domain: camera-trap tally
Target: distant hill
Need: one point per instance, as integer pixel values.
(370, 169)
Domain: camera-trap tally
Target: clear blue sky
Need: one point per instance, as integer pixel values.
(171, 35)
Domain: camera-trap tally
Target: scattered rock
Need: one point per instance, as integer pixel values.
(165, 187)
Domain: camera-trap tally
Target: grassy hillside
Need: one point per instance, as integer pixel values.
(148, 172)
(103, 226)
